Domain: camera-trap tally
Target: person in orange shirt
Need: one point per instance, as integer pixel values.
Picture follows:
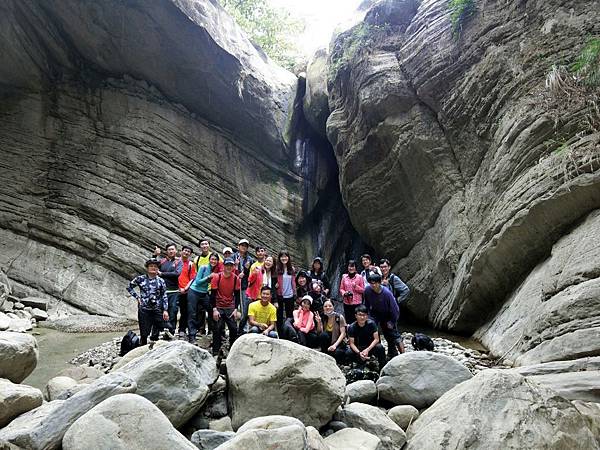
(186, 278)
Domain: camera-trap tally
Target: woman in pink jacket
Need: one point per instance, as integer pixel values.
(352, 287)
(301, 329)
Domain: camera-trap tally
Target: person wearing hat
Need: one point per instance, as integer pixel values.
(224, 298)
(301, 329)
(243, 262)
(152, 301)
(317, 272)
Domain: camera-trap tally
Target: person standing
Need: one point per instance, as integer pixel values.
(368, 268)
(393, 282)
(286, 287)
(188, 273)
(352, 287)
(224, 296)
(243, 262)
(262, 315)
(152, 301)
(363, 340)
(383, 309)
(317, 272)
(262, 275)
(198, 298)
(170, 269)
(302, 285)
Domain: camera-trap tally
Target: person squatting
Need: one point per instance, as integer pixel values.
(268, 295)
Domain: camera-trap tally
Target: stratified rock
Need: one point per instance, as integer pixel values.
(123, 422)
(419, 378)
(362, 391)
(16, 399)
(175, 377)
(44, 429)
(290, 437)
(36, 302)
(500, 410)
(57, 386)
(315, 103)
(5, 289)
(353, 439)
(591, 412)
(403, 415)
(4, 322)
(18, 355)
(375, 421)
(297, 381)
(210, 439)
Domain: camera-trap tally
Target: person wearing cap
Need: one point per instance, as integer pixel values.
(352, 287)
(199, 300)
(152, 301)
(262, 315)
(317, 272)
(383, 309)
(301, 328)
(188, 273)
(224, 297)
(243, 262)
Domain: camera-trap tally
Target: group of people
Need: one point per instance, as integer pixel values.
(264, 294)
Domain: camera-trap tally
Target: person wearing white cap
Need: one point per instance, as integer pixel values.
(243, 261)
(301, 328)
(227, 253)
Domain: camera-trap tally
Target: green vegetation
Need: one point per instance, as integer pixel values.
(587, 65)
(460, 11)
(274, 30)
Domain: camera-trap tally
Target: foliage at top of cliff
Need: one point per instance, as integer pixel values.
(460, 10)
(273, 29)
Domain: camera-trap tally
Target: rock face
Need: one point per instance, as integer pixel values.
(18, 355)
(315, 103)
(419, 378)
(121, 127)
(497, 409)
(16, 399)
(297, 381)
(121, 422)
(462, 139)
(175, 377)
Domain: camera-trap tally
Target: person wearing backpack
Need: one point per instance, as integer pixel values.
(331, 332)
(393, 282)
(188, 273)
(224, 298)
(152, 300)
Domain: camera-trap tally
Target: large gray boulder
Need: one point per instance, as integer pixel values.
(210, 439)
(18, 355)
(57, 386)
(44, 427)
(16, 399)
(273, 376)
(419, 378)
(373, 420)
(290, 437)
(500, 410)
(353, 439)
(123, 422)
(175, 377)
(362, 391)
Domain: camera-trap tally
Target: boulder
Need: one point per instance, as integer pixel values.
(57, 386)
(175, 377)
(591, 412)
(500, 409)
(215, 405)
(35, 302)
(573, 385)
(223, 424)
(123, 422)
(419, 378)
(296, 380)
(269, 423)
(18, 324)
(136, 353)
(353, 439)
(16, 399)
(314, 440)
(315, 102)
(39, 314)
(362, 391)
(375, 421)
(18, 355)
(4, 322)
(210, 439)
(82, 374)
(403, 415)
(46, 429)
(290, 437)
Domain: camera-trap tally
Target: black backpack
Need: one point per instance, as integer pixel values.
(421, 341)
(129, 342)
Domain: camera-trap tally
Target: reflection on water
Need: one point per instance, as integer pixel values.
(58, 348)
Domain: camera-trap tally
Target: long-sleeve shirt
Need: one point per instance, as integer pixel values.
(382, 306)
(153, 292)
(304, 320)
(170, 269)
(398, 287)
(188, 273)
(355, 285)
(200, 283)
(225, 291)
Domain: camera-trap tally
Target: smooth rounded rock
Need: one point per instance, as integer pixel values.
(362, 391)
(210, 439)
(419, 378)
(353, 439)
(125, 421)
(15, 399)
(290, 437)
(269, 423)
(57, 386)
(18, 355)
(403, 415)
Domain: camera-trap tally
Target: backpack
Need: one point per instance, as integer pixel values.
(421, 341)
(129, 342)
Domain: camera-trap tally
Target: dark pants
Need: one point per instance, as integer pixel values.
(171, 324)
(151, 323)
(198, 304)
(292, 334)
(183, 309)
(272, 334)
(392, 337)
(245, 304)
(284, 305)
(378, 351)
(225, 318)
(325, 341)
(349, 314)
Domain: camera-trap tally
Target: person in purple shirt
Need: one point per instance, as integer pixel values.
(383, 309)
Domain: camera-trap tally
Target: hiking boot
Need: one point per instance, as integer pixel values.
(151, 344)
